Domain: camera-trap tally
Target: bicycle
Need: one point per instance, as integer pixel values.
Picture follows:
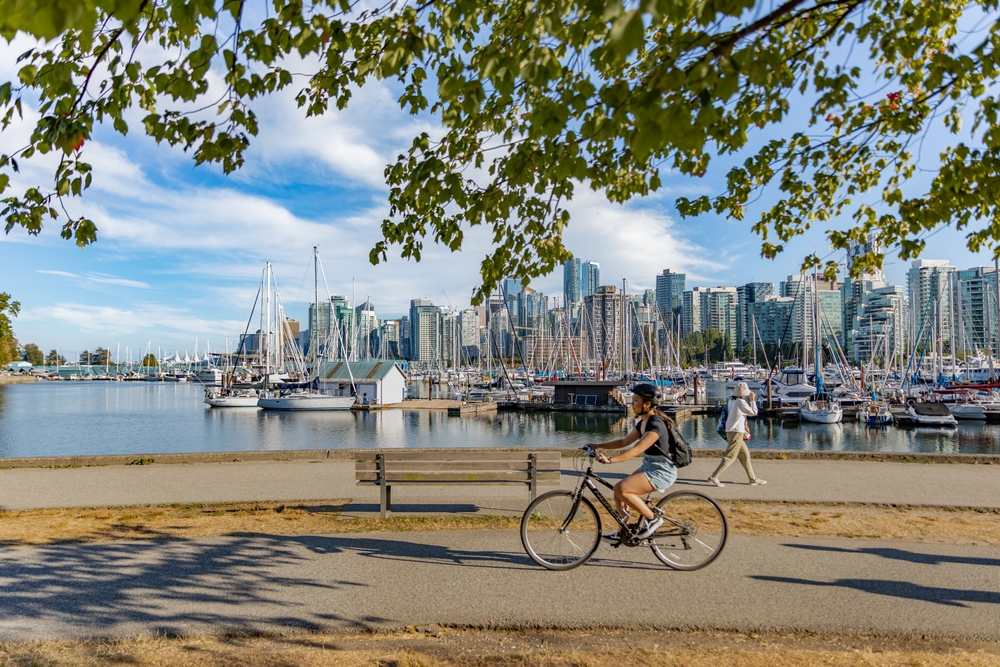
(561, 529)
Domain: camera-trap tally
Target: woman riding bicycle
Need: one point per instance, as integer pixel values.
(652, 438)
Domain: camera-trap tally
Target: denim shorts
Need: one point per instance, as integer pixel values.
(659, 470)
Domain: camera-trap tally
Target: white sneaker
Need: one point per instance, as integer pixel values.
(649, 527)
(716, 482)
(758, 482)
(611, 538)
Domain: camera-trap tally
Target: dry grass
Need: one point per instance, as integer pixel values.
(866, 522)
(49, 526)
(472, 649)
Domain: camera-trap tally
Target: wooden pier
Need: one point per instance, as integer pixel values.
(472, 409)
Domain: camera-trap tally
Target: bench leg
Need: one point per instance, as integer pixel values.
(385, 499)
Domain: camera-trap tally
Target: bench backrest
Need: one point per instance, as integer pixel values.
(479, 467)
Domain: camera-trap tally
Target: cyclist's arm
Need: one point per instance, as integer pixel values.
(619, 443)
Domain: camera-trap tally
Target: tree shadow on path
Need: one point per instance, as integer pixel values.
(234, 584)
(952, 597)
(902, 554)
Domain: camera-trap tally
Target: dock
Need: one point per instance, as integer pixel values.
(425, 404)
(525, 406)
(472, 409)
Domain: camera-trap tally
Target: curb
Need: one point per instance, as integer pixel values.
(349, 454)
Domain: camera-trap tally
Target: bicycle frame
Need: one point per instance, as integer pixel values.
(628, 536)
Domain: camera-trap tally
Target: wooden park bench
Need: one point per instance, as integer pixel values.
(387, 469)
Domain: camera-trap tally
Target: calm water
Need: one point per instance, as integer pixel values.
(79, 418)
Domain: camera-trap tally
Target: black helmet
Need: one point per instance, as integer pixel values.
(647, 392)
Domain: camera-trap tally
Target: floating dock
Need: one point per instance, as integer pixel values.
(472, 409)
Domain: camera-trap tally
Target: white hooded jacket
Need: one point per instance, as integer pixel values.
(739, 410)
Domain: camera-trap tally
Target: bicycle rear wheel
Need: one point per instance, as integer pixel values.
(694, 531)
(558, 536)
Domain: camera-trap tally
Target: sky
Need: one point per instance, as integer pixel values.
(181, 248)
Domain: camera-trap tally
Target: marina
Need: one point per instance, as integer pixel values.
(93, 418)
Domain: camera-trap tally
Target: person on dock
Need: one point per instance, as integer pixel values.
(738, 409)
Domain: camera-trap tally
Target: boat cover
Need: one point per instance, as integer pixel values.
(931, 409)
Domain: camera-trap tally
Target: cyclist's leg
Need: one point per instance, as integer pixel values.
(631, 491)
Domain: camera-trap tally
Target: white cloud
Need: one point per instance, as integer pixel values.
(151, 320)
(98, 278)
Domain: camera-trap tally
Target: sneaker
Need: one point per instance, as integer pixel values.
(611, 538)
(716, 482)
(758, 482)
(649, 527)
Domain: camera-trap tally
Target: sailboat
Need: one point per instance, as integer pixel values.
(821, 408)
(305, 395)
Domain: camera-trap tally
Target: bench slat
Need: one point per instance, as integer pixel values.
(472, 478)
(398, 466)
(399, 455)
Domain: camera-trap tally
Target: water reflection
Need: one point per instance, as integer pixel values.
(72, 418)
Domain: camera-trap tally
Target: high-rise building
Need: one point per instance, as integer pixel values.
(469, 327)
(928, 285)
(532, 307)
(976, 314)
(424, 325)
(670, 294)
(773, 316)
(571, 280)
(711, 308)
(805, 289)
(880, 323)
(511, 290)
(605, 328)
(405, 341)
(590, 278)
(747, 294)
(367, 331)
(320, 327)
(451, 338)
(389, 340)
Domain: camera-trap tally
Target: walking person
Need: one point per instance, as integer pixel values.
(738, 409)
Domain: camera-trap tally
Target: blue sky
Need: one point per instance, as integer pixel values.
(181, 248)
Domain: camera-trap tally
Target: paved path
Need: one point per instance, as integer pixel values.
(793, 480)
(390, 580)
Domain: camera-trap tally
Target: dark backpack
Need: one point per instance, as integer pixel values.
(680, 450)
(721, 430)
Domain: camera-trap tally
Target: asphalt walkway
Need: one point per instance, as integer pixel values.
(821, 481)
(386, 581)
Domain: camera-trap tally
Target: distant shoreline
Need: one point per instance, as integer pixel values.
(18, 379)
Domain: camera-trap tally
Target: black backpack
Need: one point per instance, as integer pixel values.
(680, 450)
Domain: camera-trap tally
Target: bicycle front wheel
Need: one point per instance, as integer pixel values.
(694, 531)
(558, 533)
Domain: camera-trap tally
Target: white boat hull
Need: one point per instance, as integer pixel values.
(306, 402)
(821, 412)
(970, 411)
(233, 402)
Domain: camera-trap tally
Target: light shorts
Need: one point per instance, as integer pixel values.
(659, 470)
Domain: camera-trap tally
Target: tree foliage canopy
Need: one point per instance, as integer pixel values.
(829, 100)
(8, 344)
